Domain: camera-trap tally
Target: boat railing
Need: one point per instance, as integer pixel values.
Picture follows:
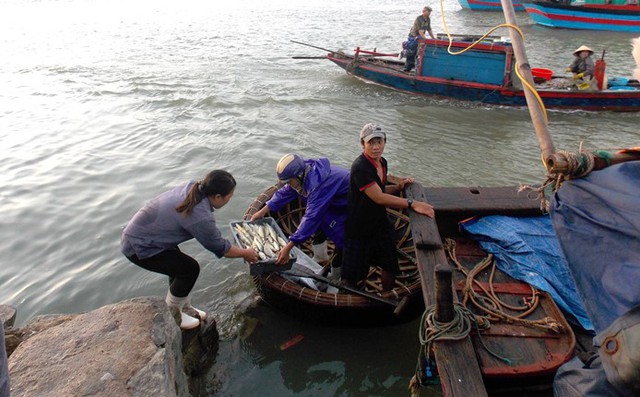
(373, 53)
(466, 37)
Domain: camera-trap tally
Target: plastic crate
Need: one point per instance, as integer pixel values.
(267, 265)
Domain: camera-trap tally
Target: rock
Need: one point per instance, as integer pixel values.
(7, 316)
(131, 348)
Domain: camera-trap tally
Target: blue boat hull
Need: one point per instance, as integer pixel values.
(489, 5)
(592, 17)
(482, 75)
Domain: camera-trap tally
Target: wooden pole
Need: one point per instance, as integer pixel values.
(603, 158)
(444, 294)
(535, 110)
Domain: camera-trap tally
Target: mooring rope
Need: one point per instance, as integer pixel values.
(458, 328)
(579, 165)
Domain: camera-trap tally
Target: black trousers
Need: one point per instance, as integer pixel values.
(183, 270)
(410, 62)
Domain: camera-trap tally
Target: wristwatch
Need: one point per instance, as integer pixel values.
(410, 203)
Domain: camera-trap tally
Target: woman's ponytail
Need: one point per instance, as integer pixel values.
(216, 182)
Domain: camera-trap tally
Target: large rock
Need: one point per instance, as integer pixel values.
(7, 315)
(131, 348)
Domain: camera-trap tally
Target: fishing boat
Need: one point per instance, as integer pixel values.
(580, 15)
(488, 5)
(367, 306)
(529, 337)
(482, 72)
(510, 352)
(593, 215)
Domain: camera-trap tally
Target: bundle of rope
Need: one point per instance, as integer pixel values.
(465, 320)
(432, 330)
(489, 303)
(578, 165)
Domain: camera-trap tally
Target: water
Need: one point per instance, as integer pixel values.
(105, 104)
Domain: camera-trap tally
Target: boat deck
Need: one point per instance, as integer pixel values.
(511, 357)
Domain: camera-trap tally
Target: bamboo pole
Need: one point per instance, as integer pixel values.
(535, 110)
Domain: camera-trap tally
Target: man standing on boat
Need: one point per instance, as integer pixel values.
(325, 188)
(421, 26)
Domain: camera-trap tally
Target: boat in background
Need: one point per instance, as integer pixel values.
(580, 15)
(484, 73)
(489, 5)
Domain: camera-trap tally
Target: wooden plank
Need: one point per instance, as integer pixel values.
(454, 204)
(424, 229)
(481, 199)
(459, 375)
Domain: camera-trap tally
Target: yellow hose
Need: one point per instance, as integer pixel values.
(503, 25)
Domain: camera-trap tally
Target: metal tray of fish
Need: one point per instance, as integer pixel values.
(266, 237)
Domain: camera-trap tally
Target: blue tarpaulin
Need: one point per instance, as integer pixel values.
(528, 250)
(597, 220)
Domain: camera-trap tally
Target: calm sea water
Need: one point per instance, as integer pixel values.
(104, 104)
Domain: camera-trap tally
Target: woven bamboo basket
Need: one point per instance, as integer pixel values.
(342, 308)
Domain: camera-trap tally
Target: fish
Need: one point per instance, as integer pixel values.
(264, 238)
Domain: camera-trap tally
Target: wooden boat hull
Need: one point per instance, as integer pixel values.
(484, 75)
(488, 5)
(622, 18)
(343, 308)
(511, 357)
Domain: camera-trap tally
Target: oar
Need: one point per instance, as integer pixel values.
(309, 57)
(399, 306)
(312, 46)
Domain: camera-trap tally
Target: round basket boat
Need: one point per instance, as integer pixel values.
(343, 308)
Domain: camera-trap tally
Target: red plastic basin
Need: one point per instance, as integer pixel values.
(542, 73)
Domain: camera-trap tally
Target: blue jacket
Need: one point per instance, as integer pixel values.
(326, 188)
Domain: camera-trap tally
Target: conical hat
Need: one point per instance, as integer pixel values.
(582, 48)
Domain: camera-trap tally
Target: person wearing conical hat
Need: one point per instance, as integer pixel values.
(583, 68)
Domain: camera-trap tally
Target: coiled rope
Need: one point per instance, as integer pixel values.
(464, 319)
(490, 304)
(432, 330)
(579, 165)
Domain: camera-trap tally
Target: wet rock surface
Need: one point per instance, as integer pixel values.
(130, 348)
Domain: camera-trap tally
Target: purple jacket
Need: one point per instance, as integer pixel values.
(326, 188)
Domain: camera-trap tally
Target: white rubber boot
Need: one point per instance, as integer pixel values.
(202, 314)
(186, 321)
(320, 253)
